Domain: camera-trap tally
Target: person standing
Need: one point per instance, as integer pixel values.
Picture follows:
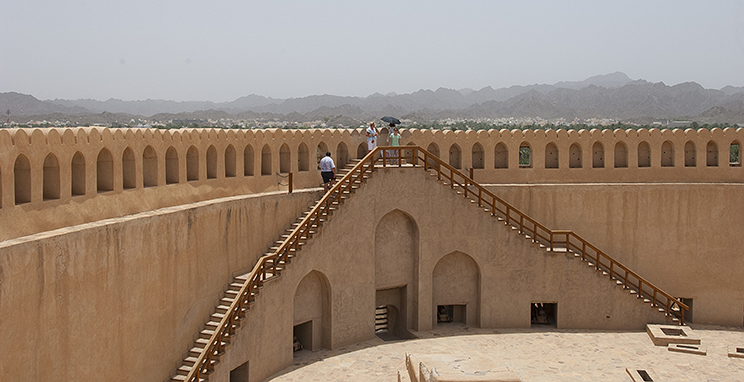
(371, 137)
(394, 141)
(327, 171)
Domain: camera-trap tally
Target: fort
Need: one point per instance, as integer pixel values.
(125, 251)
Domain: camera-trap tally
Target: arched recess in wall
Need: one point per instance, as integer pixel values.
(455, 156)
(383, 138)
(22, 180)
(230, 162)
(690, 160)
(621, 155)
(574, 156)
(478, 156)
(312, 312)
(501, 156)
(128, 170)
(712, 150)
(320, 152)
(192, 164)
(171, 166)
(51, 177)
(551, 155)
(396, 266)
(248, 161)
(644, 154)
(667, 154)
(598, 155)
(361, 150)
(78, 174)
(735, 154)
(342, 155)
(211, 162)
(266, 160)
(396, 250)
(284, 159)
(434, 150)
(456, 283)
(525, 155)
(303, 158)
(104, 171)
(149, 167)
(409, 153)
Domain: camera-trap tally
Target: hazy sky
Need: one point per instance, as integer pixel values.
(223, 49)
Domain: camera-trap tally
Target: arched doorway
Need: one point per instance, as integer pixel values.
(456, 290)
(312, 312)
(396, 262)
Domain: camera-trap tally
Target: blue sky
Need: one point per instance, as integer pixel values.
(221, 50)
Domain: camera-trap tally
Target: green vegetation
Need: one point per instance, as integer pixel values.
(473, 125)
(524, 156)
(734, 154)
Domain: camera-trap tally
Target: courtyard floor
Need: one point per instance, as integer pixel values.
(542, 354)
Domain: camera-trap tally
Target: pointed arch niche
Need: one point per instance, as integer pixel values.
(456, 287)
(312, 312)
(396, 264)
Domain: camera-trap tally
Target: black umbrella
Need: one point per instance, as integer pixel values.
(393, 120)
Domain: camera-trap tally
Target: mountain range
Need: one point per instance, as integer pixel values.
(614, 96)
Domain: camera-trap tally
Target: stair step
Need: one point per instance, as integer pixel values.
(221, 309)
(191, 360)
(183, 370)
(242, 278)
(204, 341)
(180, 378)
(275, 248)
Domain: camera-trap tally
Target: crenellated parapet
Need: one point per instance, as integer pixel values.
(52, 178)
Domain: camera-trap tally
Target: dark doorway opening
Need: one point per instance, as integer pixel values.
(688, 313)
(450, 313)
(544, 313)
(240, 373)
(302, 336)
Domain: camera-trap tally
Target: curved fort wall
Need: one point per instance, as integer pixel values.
(53, 178)
(88, 298)
(123, 298)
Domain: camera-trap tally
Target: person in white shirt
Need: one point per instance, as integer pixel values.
(327, 171)
(371, 137)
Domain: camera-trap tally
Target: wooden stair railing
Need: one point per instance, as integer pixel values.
(271, 265)
(553, 240)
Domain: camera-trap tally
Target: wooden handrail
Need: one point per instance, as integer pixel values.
(259, 273)
(539, 233)
(510, 215)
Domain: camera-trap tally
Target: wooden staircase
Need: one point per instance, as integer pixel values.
(274, 268)
(221, 325)
(672, 308)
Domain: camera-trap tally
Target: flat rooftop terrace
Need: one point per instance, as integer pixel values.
(541, 354)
